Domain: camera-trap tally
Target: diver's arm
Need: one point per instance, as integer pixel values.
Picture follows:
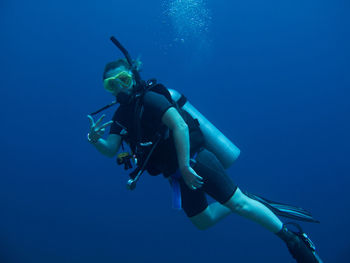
(173, 120)
(110, 146)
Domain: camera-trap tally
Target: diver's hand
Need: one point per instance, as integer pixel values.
(96, 131)
(191, 178)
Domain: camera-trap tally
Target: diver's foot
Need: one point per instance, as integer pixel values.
(299, 245)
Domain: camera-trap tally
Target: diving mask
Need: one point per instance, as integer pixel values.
(123, 79)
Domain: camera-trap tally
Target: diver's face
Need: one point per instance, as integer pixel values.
(119, 80)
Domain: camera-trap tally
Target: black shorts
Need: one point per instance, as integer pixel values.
(217, 184)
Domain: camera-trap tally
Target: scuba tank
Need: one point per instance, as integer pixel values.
(214, 140)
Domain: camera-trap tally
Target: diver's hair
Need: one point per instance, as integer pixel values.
(122, 62)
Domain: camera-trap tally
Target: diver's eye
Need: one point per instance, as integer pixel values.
(124, 79)
(112, 83)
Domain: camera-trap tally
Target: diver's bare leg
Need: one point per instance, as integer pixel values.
(254, 210)
(242, 205)
(210, 216)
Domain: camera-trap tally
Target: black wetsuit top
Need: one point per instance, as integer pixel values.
(163, 159)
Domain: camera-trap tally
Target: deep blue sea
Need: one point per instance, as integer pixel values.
(273, 76)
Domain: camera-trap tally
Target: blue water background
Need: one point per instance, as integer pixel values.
(272, 75)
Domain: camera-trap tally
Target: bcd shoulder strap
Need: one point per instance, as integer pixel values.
(144, 149)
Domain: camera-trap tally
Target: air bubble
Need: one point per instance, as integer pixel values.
(190, 19)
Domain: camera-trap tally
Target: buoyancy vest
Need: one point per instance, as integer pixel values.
(161, 158)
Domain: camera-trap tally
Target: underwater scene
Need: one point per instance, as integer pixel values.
(226, 121)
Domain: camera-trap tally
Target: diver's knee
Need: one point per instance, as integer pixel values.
(239, 207)
(238, 203)
(201, 226)
(203, 220)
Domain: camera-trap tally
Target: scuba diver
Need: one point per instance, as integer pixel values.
(167, 135)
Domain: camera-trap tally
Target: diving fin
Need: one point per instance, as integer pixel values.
(289, 211)
(299, 245)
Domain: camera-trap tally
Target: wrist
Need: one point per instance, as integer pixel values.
(184, 167)
(92, 140)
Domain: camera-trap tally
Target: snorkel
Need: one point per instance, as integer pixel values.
(126, 97)
(123, 97)
(139, 83)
